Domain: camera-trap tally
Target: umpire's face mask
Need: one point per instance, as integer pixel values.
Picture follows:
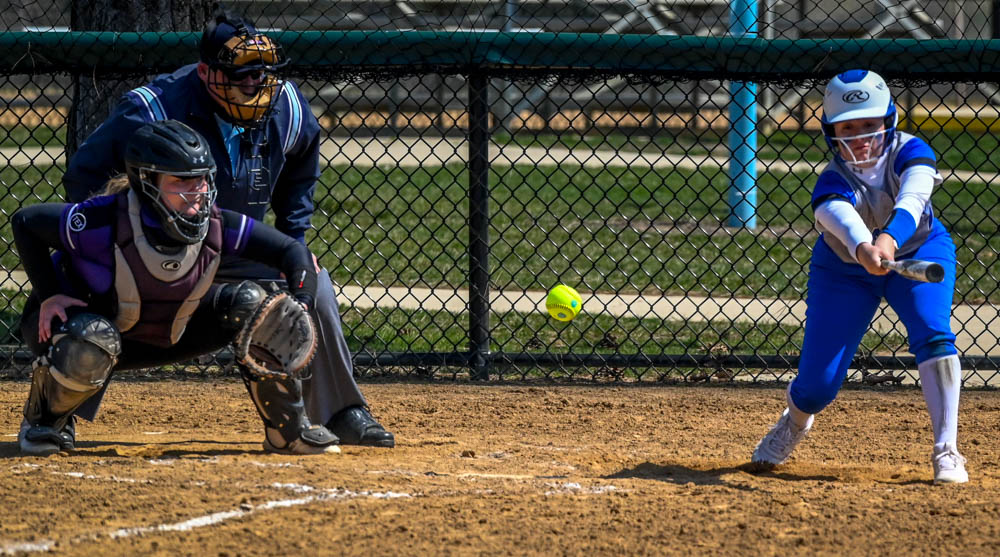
(243, 83)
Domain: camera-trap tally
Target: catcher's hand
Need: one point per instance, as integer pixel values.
(279, 340)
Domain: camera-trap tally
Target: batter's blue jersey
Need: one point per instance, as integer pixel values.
(875, 203)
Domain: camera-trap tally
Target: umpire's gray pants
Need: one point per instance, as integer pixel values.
(331, 387)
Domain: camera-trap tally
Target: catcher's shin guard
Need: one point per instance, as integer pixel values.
(287, 429)
(79, 362)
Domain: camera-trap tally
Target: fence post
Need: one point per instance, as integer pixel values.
(743, 126)
(479, 226)
(996, 20)
(510, 14)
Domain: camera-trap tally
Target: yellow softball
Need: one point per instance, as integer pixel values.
(563, 302)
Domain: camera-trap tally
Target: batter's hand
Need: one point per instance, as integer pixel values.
(54, 306)
(870, 256)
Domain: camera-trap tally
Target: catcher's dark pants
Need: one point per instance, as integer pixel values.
(203, 335)
(331, 387)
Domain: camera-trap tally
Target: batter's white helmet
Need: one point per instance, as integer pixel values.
(858, 94)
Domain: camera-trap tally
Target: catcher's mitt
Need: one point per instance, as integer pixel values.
(279, 339)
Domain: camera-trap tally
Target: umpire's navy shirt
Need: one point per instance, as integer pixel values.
(282, 173)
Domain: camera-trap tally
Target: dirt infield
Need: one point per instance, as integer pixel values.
(176, 468)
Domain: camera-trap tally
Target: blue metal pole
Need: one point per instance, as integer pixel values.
(743, 126)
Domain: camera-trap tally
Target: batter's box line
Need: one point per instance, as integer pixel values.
(564, 488)
(210, 519)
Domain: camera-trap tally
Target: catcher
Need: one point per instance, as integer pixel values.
(131, 286)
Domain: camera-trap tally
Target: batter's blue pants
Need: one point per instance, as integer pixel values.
(842, 299)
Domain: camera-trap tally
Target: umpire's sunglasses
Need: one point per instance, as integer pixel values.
(239, 74)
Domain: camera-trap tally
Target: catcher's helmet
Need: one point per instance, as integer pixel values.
(859, 94)
(244, 84)
(171, 147)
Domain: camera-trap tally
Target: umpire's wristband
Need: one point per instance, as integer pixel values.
(302, 282)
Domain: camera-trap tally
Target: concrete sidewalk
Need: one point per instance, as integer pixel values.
(974, 322)
(978, 325)
(416, 152)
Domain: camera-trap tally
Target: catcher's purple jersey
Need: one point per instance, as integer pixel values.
(87, 233)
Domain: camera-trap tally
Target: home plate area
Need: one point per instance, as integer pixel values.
(177, 467)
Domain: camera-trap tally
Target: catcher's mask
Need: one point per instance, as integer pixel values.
(172, 148)
(242, 65)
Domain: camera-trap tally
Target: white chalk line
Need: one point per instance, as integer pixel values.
(554, 488)
(30, 547)
(112, 478)
(276, 464)
(465, 475)
(246, 509)
(314, 495)
(171, 461)
(575, 488)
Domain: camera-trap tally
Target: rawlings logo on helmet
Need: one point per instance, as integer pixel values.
(856, 96)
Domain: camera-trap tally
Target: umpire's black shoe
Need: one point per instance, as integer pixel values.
(356, 426)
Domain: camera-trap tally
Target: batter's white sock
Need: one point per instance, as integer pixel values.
(798, 417)
(941, 381)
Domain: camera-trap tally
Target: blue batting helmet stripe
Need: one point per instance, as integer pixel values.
(853, 76)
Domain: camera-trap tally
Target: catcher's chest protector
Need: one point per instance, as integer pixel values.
(157, 293)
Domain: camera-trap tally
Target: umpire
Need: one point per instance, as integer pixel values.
(266, 140)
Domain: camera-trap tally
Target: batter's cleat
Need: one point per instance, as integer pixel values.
(315, 439)
(356, 426)
(949, 465)
(42, 440)
(778, 444)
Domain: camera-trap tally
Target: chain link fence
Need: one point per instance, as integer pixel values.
(456, 192)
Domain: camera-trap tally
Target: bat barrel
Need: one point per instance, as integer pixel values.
(915, 269)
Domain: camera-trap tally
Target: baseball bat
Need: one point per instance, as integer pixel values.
(915, 269)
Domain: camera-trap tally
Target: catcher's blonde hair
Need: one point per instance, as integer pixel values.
(115, 185)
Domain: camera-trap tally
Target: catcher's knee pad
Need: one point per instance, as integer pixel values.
(84, 349)
(279, 403)
(235, 302)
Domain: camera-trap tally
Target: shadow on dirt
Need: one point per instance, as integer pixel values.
(680, 474)
(186, 449)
